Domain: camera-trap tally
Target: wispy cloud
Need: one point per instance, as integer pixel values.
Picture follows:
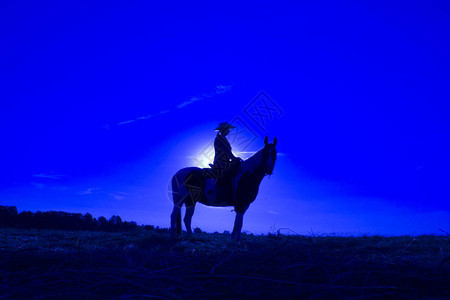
(118, 196)
(48, 175)
(89, 191)
(39, 185)
(220, 89)
(190, 101)
(143, 118)
(126, 122)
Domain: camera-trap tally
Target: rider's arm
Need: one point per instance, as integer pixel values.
(222, 145)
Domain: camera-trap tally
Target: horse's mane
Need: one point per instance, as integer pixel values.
(253, 161)
(254, 156)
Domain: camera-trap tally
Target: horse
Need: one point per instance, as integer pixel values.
(191, 185)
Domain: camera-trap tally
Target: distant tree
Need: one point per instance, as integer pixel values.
(129, 226)
(63, 220)
(89, 223)
(39, 220)
(8, 216)
(115, 223)
(25, 219)
(76, 220)
(103, 223)
(115, 220)
(149, 227)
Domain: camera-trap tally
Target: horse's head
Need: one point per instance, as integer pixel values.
(269, 155)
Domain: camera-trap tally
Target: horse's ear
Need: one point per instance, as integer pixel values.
(266, 141)
(275, 141)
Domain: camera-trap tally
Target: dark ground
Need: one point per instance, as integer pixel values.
(145, 264)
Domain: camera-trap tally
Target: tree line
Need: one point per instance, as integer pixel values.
(9, 217)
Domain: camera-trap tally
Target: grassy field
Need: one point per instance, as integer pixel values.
(145, 264)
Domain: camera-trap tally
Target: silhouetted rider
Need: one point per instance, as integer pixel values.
(223, 158)
(225, 163)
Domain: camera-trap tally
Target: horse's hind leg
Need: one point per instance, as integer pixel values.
(178, 200)
(175, 222)
(188, 218)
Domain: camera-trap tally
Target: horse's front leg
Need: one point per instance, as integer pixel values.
(236, 234)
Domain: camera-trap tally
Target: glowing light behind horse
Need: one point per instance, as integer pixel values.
(202, 189)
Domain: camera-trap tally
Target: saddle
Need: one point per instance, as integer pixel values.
(223, 177)
(219, 172)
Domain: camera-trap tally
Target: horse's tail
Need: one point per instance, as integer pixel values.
(178, 201)
(180, 195)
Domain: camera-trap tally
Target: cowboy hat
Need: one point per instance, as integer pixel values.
(224, 126)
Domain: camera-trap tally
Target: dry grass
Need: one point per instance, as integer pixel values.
(145, 264)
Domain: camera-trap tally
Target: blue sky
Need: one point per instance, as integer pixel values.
(101, 103)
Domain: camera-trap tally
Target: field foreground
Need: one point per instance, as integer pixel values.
(145, 264)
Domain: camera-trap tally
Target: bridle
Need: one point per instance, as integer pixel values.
(266, 153)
